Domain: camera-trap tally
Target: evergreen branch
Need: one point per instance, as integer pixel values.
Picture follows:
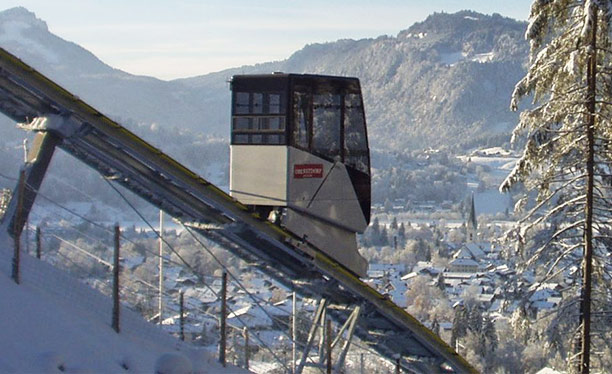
(553, 238)
(559, 258)
(572, 90)
(566, 305)
(553, 194)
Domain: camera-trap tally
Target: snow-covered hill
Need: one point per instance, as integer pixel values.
(51, 323)
(445, 81)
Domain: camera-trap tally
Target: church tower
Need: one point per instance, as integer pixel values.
(472, 224)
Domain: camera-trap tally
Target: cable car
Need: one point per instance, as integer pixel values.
(299, 156)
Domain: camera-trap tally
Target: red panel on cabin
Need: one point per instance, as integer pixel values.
(301, 171)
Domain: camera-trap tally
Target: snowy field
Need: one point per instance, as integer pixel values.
(498, 159)
(492, 202)
(501, 163)
(54, 324)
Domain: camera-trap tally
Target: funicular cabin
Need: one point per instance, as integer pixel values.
(300, 156)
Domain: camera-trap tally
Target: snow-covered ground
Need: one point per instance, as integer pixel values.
(51, 323)
(492, 202)
(452, 58)
(499, 162)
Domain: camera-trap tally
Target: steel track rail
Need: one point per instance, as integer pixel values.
(117, 153)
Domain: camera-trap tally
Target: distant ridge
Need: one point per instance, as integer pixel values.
(444, 82)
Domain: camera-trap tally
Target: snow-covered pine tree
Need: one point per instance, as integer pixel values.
(460, 325)
(567, 158)
(435, 326)
(520, 325)
(401, 234)
(394, 224)
(488, 336)
(475, 316)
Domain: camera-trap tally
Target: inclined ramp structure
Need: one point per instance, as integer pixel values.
(62, 120)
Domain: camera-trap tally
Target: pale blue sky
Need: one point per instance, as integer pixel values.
(182, 38)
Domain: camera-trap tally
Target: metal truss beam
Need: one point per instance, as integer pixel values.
(38, 160)
(117, 153)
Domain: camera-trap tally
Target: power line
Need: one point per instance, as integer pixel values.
(191, 269)
(254, 298)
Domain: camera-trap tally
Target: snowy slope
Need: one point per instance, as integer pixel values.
(443, 81)
(499, 163)
(51, 323)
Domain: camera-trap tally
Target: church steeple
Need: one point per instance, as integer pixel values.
(472, 224)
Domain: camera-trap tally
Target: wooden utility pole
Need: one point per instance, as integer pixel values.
(245, 333)
(328, 345)
(182, 314)
(222, 322)
(38, 243)
(17, 228)
(115, 322)
(27, 237)
(361, 364)
(587, 268)
(293, 333)
(160, 300)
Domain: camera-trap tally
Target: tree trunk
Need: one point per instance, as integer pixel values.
(585, 303)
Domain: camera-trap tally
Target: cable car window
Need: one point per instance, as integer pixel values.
(258, 118)
(355, 138)
(265, 139)
(242, 103)
(274, 123)
(257, 103)
(301, 115)
(327, 119)
(274, 104)
(241, 139)
(275, 139)
(242, 123)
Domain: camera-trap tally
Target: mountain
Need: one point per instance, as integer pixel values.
(116, 93)
(445, 81)
(442, 83)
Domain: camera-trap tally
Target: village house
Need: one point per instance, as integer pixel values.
(387, 279)
(463, 265)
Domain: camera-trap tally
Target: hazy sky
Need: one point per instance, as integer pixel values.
(182, 38)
